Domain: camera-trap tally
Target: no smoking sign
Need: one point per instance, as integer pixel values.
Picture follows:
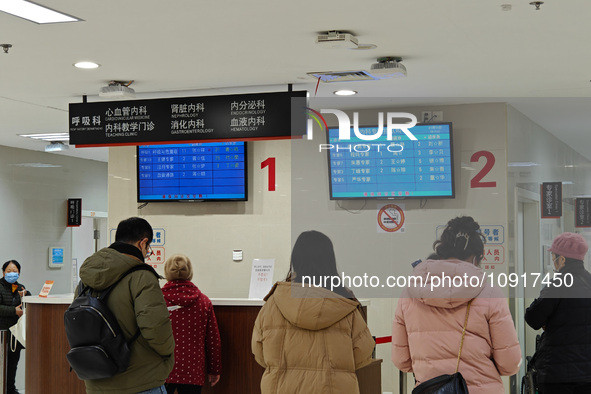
(391, 219)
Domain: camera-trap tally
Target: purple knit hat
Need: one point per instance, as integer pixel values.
(570, 245)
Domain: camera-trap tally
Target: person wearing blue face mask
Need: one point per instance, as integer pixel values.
(10, 311)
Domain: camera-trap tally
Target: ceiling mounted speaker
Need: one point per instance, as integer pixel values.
(117, 90)
(337, 40)
(388, 67)
(56, 146)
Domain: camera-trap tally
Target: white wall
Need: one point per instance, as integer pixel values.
(554, 162)
(33, 210)
(267, 225)
(208, 231)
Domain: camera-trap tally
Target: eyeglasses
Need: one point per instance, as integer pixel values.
(149, 251)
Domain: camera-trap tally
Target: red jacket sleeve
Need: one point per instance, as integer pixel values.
(213, 344)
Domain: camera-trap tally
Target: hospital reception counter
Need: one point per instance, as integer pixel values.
(48, 371)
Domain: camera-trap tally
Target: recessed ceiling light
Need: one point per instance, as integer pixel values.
(345, 92)
(34, 12)
(86, 65)
(63, 137)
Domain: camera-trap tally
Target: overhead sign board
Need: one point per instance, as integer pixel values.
(181, 119)
(583, 212)
(551, 200)
(74, 212)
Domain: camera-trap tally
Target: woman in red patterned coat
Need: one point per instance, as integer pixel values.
(197, 353)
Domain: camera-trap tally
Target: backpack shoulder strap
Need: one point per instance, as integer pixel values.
(105, 293)
(141, 267)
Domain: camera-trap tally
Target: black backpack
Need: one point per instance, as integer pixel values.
(98, 348)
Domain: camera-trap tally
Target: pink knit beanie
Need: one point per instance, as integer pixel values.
(570, 245)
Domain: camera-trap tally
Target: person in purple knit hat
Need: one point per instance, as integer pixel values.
(563, 310)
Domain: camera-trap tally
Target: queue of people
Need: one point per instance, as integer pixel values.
(314, 339)
(178, 346)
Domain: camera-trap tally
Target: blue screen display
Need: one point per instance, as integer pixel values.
(198, 171)
(396, 168)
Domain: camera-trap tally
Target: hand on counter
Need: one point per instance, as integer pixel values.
(213, 379)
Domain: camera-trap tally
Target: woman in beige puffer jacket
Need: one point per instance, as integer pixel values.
(309, 339)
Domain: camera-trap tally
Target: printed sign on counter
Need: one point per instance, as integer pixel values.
(261, 278)
(46, 288)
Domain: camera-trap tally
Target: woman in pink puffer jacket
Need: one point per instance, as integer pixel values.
(428, 323)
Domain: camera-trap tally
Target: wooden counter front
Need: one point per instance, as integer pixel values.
(47, 369)
(240, 372)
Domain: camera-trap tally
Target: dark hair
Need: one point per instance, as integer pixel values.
(313, 256)
(433, 256)
(5, 265)
(133, 230)
(460, 239)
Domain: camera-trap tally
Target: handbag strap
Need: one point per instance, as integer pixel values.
(463, 334)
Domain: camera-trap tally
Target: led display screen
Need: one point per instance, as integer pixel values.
(214, 171)
(390, 169)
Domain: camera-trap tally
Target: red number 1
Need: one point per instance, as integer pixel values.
(270, 162)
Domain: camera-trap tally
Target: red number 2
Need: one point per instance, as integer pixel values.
(490, 162)
(270, 162)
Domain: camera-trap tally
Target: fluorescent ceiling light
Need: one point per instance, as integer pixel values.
(345, 92)
(48, 136)
(35, 165)
(86, 65)
(34, 12)
(523, 164)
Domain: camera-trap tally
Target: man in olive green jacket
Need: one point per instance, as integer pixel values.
(137, 303)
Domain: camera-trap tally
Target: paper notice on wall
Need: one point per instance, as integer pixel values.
(261, 278)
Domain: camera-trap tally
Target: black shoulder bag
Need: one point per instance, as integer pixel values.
(447, 384)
